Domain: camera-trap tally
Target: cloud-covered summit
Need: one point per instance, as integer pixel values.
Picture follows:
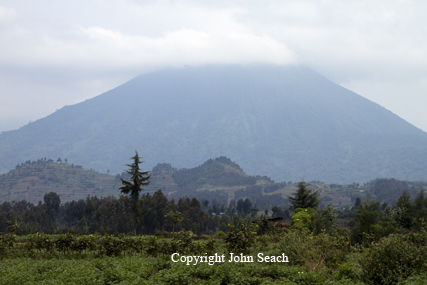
(57, 53)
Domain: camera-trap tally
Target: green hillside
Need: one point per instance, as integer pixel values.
(218, 180)
(32, 180)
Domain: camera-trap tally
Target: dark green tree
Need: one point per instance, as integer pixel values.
(52, 201)
(357, 203)
(326, 219)
(133, 187)
(247, 206)
(362, 223)
(404, 210)
(239, 206)
(175, 217)
(304, 198)
(420, 208)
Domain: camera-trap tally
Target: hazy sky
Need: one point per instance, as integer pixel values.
(56, 53)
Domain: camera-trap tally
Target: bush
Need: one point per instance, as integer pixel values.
(392, 258)
(111, 246)
(303, 218)
(415, 280)
(302, 248)
(292, 245)
(240, 238)
(346, 272)
(220, 234)
(182, 242)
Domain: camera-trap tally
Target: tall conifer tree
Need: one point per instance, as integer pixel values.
(133, 187)
(304, 198)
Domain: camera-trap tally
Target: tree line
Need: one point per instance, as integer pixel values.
(150, 214)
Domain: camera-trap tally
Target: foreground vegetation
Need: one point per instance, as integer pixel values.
(313, 259)
(379, 243)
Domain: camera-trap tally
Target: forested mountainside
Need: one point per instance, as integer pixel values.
(31, 180)
(218, 180)
(286, 122)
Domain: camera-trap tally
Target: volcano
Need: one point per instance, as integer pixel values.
(286, 122)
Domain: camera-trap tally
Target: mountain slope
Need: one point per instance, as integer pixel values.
(286, 122)
(30, 181)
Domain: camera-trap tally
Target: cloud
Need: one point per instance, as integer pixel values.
(220, 39)
(355, 39)
(72, 50)
(6, 14)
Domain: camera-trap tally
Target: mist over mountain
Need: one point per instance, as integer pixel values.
(286, 122)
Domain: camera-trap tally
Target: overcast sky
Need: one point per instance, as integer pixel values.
(56, 53)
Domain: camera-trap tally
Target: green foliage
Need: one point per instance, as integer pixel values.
(304, 198)
(52, 201)
(181, 242)
(420, 208)
(152, 246)
(328, 217)
(6, 241)
(111, 246)
(346, 272)
(105, 270)
(388, 190)
(40, 177)
(416, 279)
(89, 242)
(65, 241)
(12, 227)
(175, 217)
(315, 259)
(110, 215)
(303, 218)
(133, 187)
(40, 241)
(314, 252)
(265, 227)
(367, 215)
(221, 234)
(240, 237)
(213, 172)
(403, 213)
(392, 258)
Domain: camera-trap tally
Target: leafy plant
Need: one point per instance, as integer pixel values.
(181, 242)
(393, 258)
(240, 237)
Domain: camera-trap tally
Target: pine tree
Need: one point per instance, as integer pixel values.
(133, 187)
(304, 198)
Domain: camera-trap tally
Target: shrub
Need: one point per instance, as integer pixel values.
(151, 246)
(392, 258)
(64, 241)
(302, 248)
(240, 238)
(182, 241)
(303, 218)
(415, 280)
(346, 272)
(292, 245)
(111, 246)
(40, 241)
(220, 234)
